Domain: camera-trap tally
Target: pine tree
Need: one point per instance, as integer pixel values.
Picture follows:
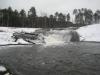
(32, 16)
(68, 17)
(23, 17)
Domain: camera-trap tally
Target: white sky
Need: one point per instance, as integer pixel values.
(51, 6)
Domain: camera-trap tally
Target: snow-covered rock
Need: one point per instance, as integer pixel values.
(21, 41)
(2, 68)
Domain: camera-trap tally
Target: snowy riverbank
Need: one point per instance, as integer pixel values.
(54, 37)
(90, 33)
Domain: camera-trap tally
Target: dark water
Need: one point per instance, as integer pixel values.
(81, 58)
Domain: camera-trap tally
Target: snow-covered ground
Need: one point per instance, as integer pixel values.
(90, 33)
(5, 38)
(54, 37)
(7, 32)
(13, 29)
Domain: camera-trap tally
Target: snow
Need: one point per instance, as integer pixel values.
(21, 41)
(52, 37)
(13, 29)
(2, 69)
(5, 38)
(90, 33)
(7, 32)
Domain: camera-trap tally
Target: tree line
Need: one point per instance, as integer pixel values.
(15, 18)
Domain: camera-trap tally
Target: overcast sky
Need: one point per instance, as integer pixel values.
(51, 6)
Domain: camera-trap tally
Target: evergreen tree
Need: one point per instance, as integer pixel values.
(97, 16)
(56, 16)
(83, 16)
(23, 17)
(16, 19)
(32, 16)
(75, 12)
(61, 17)
(51, 21)
(68, 17)
(88, 16)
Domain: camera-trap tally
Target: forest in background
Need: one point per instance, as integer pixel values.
(15, 18)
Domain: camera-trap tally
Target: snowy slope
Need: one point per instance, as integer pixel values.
(90, 33)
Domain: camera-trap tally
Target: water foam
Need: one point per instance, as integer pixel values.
(57, 37)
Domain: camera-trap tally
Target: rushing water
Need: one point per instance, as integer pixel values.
(57, 37)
